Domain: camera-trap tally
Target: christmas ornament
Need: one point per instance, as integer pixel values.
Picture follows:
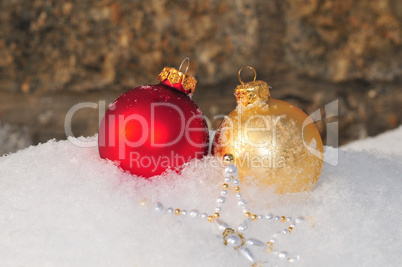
(272, 141)
(152, 128)
(236, 237)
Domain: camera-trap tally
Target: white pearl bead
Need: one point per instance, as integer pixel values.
(283, 254)
(221, 225)
(247, 253)
(228, 179)
(184, 212)
(158, 206)
(243, 227)
(242, 202)
(289, 219)
(254, 242)
(236, 181)
(299, 219)
(234, 241)
(238, 195)
(194, 213)
(230, 170)
(277, 218)
(245, 209)
(260, 217)
(285, 231)
(170, 210)
(269, 216)
(221, 199)
(204, 215)
(224, 192)
(218, 209)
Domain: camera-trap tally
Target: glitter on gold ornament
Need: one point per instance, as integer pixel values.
(272, 141)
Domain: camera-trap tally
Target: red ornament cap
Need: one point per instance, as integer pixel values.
(177, 79)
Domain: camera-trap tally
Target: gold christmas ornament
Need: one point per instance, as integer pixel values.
(272, 142)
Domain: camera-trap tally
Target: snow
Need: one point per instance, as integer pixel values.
(389, 143)
(61, 205)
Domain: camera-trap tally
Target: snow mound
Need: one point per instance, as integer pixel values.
(61, 205)
(387, 143)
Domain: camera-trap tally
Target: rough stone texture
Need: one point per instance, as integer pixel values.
(55, 54)
(345, 40)
(87, 45)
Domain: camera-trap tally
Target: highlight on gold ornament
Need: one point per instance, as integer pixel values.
(273, 142)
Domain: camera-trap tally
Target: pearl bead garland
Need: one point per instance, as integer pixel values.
(236, 238)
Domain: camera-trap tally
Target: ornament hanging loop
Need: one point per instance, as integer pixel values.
(188, 64)
(249, 67)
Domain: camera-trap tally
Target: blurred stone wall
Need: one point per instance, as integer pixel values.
(56, 53)
(343, 41)
(13, 138)
(91, 45)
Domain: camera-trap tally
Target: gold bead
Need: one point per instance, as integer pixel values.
(177, 211)
(225, 186)
(228, 158)
(269, 247)
(290, 228)
(210, 218)
(283, 219)
(216, 215)
(143, 202)
(254, 217)
(247, 214)
(237, 188)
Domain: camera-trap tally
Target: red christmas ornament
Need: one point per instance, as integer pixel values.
(152, 128)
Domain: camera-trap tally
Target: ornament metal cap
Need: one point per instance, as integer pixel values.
(250, 92)
(177, 79)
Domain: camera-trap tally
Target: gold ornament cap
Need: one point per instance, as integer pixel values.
(177, 79)
(250, 92)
